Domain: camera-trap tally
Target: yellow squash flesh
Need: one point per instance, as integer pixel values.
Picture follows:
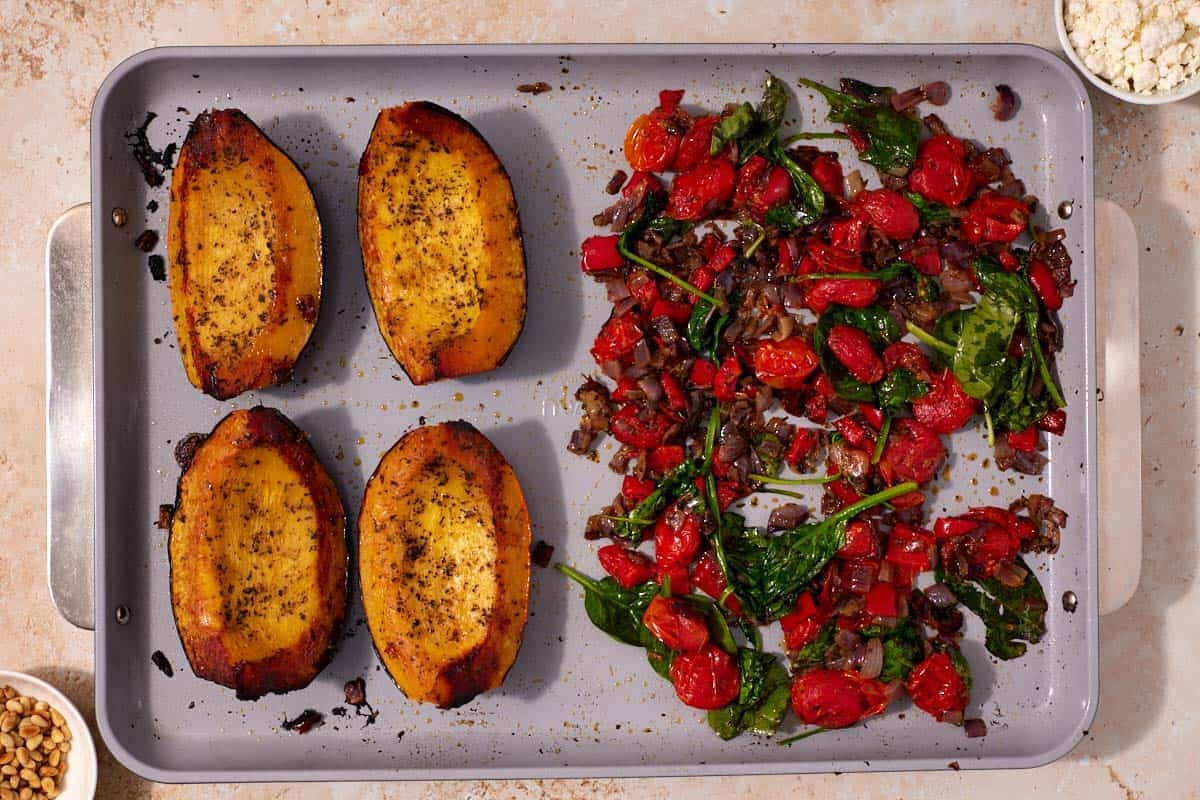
(441, 243)
(258, 556)
(244, 250)
(444, 563)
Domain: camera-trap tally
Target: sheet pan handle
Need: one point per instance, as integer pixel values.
(1119, 424)
(70, 424)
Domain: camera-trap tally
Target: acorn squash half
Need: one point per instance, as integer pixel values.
(244, 250)
(258, 556)
(443, 561)
(441, 243)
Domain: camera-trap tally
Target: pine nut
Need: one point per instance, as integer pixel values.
(57, 719)
(34, 741)
(8, 720)
(14, 705)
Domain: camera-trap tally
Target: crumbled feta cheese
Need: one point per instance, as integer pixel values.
(1144, 45)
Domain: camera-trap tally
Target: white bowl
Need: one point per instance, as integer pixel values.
(1186, 90)
(80, 781)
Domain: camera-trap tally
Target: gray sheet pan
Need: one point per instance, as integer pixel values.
(576, 703)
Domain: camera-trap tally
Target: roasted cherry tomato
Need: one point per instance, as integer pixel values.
(871, 414)
(785, 364)
(888, 211)
(693, 148)
(836, 698)
(709, 579)
(994, 218)
(761, 186)
(941, 173)
(913, 452)
(945, 407)
(665, 458)
(703, 372)
(827, 172)
(860, 540)
(936, 687)
(676, 399)
(676, 537)
(1043, 283)
(822, 293)
(652, 141)
(707, 678)
(642, 183)
(853, 432)
(636, 489)
(852, 347)
(599, 254)
(617, 340)
(669, 99)
(628, 427)
(677, 312)
(676, 623)
(924, 254)
(804, 441)
(702, 190)
(802, 624)
(948, 527)
(676, 574)
(848, 234)
(908, 356)
(726, 380)
(628, 567)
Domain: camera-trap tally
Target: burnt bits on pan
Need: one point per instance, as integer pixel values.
(164, 665)
(158, 268)
(310, 718)
(153, 163)
(146, 241)
(534, 88)
(542, 553)
(356, 695)
(185, 451)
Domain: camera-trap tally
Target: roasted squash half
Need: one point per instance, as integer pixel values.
(441, 243)
(443, 559)
(244, 247)
(258, 556)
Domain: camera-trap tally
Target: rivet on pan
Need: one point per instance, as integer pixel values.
(122, 615)
(1066, 208)
(1070, 602)
(119, 216)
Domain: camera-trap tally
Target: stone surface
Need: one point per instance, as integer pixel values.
(54, 54)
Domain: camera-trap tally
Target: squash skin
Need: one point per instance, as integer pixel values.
(444, 644)
(294, 632)
(244, 249)
(441, 243)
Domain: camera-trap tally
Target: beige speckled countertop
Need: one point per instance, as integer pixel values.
(53, 56)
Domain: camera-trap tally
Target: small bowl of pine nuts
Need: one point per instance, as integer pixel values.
(46, 749)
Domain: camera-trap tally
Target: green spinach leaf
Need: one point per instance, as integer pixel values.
(902, 649)
(733, 126)
(675, 484)
(932, 213)
(897, 388)
(891, 136)
(614, 610)
(813, 654)
(809, 205)
(878, 323)
(762, 700)
(1013, 615)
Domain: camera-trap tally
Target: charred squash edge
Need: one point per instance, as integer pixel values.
(276, 675)
(277, 372)
(468, 676)
(518, 232)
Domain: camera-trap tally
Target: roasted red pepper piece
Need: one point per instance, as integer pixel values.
(701, 190)
(703, 372)
(617, 340)
(785, 364)
(924, 254)
(860, 540)
(908, 356)
(665, 458)
(853, 432)
(804, 441)
(642, 181)
(881, 600)
(708, 678)
(801, 625)
(1043, 283)
(599, 254)
(888, 211)
(676, 399)
(909, 547)
(679, 313)
(681, 582)
(643, 288)
(941, 173)
(726, 379)
(636, 489)
(836, 698)
(949, 527)
(852, 347)
(936, 687)
(628, 567)
(1025, 441)
(994, 218)
(676, 623)
(848, 234)
(871, 414)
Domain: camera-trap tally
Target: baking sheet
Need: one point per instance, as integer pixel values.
(575, 703)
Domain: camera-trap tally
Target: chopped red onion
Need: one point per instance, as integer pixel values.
(786, 516)
(954, 717)
(616, 289)
(902, 101)
(940, 595)
(1005, 104)
(846, 639)
(641, 353)
(612, 369)
(872, 662)
(652, 388)
(937, 92)
(793, 295)
(861, 579)
(623, 307)
(975, 728)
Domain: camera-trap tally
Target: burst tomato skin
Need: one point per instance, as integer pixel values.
(945, 407)
(702, 190)
(941, 173)
(908, 356)
(852, 347)
(676, 623)
(890, 212)
(629, 567)
(936, 687)
(708, 578)
(827, 172)
(785, 364)
(707, 678)
(676, 537)
(650, 146)
(913, 452)
(693, 148)
(836, 698)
